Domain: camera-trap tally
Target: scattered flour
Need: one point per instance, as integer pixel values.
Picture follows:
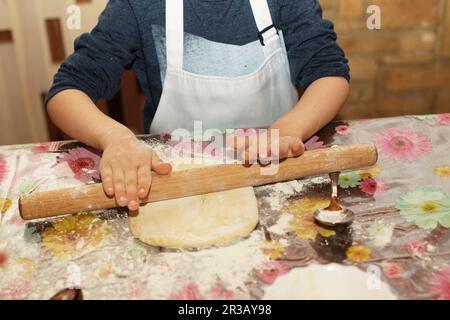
(279, 192)
(230, 265)
(331, 216)
(161, 150)
(288, 188)
(320, 180)
(282, 224)
(378, 233)
(384, 236)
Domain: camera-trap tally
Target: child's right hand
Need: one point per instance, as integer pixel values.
(125, 170)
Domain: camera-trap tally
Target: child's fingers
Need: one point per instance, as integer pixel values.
(284, 148)
(144, 176)
(131, 188)
(231, 141)
(238, 142)
(287, 147)
(107, 180)
(255, 147)
(159, 166)
(297, 148)
(119, 186)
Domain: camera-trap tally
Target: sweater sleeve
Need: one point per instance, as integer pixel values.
(311, 43)
(101, 56)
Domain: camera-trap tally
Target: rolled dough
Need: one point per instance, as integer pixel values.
(198, 221)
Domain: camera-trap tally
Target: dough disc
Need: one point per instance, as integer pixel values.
(198, 221)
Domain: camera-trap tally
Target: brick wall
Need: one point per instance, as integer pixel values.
(403, 68)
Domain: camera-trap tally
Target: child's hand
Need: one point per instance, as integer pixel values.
(125, 169)
(288, 147)
(291, 147)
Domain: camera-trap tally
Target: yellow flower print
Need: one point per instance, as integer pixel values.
(74, 233)
(428, 207)
(274, 249)
(5, 204)
(358, 253)
(307, 204)
(302, 222)
(24, 266)
(442, 172)
(369, 173)
(106, 271)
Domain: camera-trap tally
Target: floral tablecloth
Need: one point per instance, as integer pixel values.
(401, 227)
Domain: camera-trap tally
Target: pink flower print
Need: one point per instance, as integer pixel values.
(17, 220)
(134, 292)
(45, 147)
(314, 143)
(271, 271)
(416, 246)
(83, 163)
(372, 186)
(343, 130)
(444, 118)
(440, 284)
(188, 292)
(15, 290)
(218, 292)
(40, 148)
(3, 169)
(392, 269)
(403, 144)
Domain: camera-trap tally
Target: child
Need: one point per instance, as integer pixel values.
(228, 63)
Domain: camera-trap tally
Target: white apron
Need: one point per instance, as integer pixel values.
(255, 100)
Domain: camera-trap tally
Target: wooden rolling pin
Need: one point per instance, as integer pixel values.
(200, 181)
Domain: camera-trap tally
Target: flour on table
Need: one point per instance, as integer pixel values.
(230, 266)
(320, 180)
(282, 224)
(280, 192)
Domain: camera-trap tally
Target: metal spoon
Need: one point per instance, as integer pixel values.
(334, 215)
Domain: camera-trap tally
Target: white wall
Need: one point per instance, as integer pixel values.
(26, 69)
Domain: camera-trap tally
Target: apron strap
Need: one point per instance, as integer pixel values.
(174, 33)
(268, 33)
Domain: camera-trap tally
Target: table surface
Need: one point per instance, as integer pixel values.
(400, 233)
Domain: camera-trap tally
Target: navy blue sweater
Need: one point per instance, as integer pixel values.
(130, 35)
